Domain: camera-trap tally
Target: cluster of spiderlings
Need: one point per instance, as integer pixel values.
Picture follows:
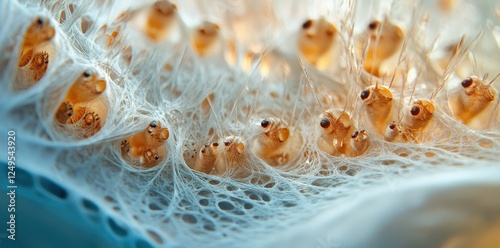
(196, 122)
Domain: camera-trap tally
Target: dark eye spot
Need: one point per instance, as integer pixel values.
(307, 24)
(87, 73)
(325, 123)
(157, 157)
(415, 110)
(373, 25)
(265, 123)
(467, 82)
(392, 126)
(365, 94)
(215, 144)
(202, 150)
(152, 124)
(227, 143)
(354, 135)
(40, 20)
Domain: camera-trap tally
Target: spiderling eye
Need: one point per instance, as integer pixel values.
(355, 134)
(87, 73)
(265, 123)
(373, 25)
(365, 94)
(152, 124)
(467, 82)
(40, 20)
(415, 110)
(307, 24)
(325, 123)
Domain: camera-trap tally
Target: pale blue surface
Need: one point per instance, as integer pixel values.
(45, 220)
